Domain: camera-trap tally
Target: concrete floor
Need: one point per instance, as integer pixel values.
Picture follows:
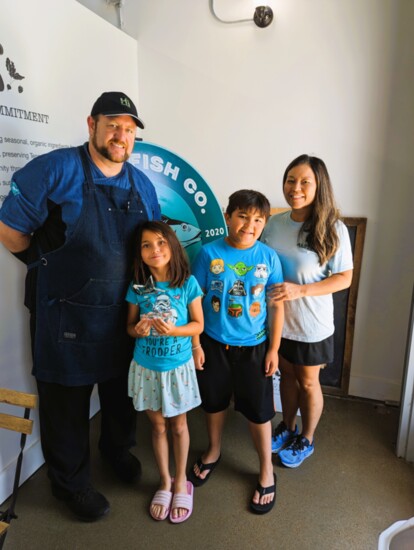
(351, 489)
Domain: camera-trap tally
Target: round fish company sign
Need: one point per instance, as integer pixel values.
(187, 203)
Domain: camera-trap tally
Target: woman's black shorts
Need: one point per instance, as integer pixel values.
(308, 353)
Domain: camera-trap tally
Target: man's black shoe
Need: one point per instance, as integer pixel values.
(125, 466)
(86, 504)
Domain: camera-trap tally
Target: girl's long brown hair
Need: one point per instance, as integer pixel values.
(319, 229)
(179, 269)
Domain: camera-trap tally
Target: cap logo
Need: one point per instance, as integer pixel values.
(125, 102)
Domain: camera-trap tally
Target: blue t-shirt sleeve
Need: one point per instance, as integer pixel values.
(55, 178)
(276, 274)
(200, 270)
(25, 207)
(193, 289)
(275, 266)
(131, 296)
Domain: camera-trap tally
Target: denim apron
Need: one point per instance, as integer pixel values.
(81, 310)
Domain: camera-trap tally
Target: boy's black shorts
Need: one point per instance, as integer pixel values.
(238, 371)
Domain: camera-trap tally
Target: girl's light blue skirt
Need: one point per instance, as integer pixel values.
(173, 392)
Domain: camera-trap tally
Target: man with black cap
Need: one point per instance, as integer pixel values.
(71, 216)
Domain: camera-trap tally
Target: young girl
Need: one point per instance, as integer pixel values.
(164, 313)
(314, 248)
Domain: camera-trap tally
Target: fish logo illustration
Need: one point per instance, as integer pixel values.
(187, 233)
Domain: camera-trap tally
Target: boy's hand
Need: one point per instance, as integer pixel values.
(271, 362)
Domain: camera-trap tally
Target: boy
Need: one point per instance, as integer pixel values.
(238, 351)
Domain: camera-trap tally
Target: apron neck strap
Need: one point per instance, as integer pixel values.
(86, 167)
(129, 169)
(88, 173)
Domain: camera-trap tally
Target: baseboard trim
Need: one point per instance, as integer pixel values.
(375, 388)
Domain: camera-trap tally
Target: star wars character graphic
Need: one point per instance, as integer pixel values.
(162, 309)
(240, 269)
(162, 306)
(261, 271)
(238, 289)
(235, 309)
(255, 309)
(256, 290)
(215, 303)
(217, 266)
(217, 286)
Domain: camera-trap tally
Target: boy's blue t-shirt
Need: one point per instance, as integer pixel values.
(234, 283)
(163, 353)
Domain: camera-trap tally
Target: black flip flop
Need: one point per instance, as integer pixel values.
(197, 481)
(264, 508)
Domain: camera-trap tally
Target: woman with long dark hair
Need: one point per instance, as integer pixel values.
(314, 248)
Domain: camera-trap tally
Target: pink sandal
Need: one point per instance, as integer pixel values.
(162, 498)
(181, 500)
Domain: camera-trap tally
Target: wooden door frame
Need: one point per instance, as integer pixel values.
(359, 224)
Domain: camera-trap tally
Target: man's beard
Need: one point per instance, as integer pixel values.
(104, 151)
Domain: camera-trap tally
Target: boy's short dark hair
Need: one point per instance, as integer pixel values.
(247, 199)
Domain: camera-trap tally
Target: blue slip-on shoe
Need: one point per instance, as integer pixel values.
(296, 452)
(282, 437)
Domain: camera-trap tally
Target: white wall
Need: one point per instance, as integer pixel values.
(68, 57)
(330, 78)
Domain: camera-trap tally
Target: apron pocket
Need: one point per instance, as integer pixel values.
(99, 292)
(91, 324)
(96, 313)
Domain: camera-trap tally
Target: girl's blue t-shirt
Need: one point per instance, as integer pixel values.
(163, 353)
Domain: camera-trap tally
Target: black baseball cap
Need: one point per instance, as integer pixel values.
(116, 104)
